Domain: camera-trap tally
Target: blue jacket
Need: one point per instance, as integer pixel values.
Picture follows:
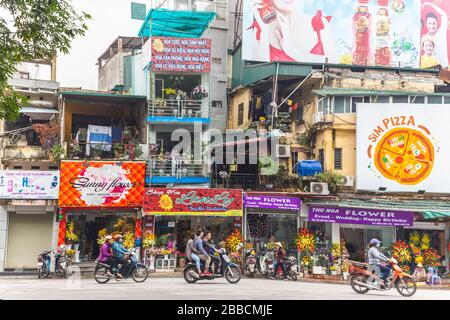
(118, 250)
(198, 244)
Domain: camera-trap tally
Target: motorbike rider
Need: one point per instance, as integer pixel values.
(375, 259)
(193, 254)
(280, 254)
(215, 261)
(118, 252)
(203, 255)
(106, 255)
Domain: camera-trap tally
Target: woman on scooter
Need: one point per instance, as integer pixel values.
(106, 255)
(375, 259)
(280, 253)
(192, 253)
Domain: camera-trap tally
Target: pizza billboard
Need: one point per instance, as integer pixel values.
(389, 33)
(403, 147)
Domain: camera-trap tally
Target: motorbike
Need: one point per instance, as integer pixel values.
(103, 272)
(363, 279)
(62, 263)
(264, 260)
(43, 264)
(250, 263)
(290, 265)
(226, 269)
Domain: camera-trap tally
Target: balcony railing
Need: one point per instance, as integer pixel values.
(180, 109)
(218, 6)
(106, 151)
(21, 144)
(176, 168)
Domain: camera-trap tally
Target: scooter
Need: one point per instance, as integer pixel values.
(62, 263)
(290, 265)
(227, 269)
(264, 260)
(43, 264)
(103, 272)
(250, 263)
(364, 278)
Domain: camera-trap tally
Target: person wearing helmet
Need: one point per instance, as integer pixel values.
(106, 255)
(375, 259)
(118, 252)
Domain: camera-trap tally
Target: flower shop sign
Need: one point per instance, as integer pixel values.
(101, 184)
(203, 202)
(181, 54)
(272, 202)
(372, 217)
(21, 184)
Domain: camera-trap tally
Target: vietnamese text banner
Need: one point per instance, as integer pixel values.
(212, 202)
(371, 217)
(181, 54)
(21, 184)
(272, 202)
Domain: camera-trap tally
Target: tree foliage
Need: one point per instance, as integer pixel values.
(33, 29)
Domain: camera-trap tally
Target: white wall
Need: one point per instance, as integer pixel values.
(3, 236)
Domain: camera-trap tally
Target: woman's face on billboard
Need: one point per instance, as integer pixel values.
(285, 6)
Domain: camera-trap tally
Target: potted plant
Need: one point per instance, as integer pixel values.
(118, 150)
(71, 237)
(56, 152)
(171, 93)
(75, 150)
(96, 153)
(333, 270)
(199, 93)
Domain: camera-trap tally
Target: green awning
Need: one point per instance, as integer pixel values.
(436, 214)
(176, 23)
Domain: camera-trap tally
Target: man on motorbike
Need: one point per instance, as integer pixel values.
(375, 259)
(118, 252)
(280, 254)
(215, 261)
(192, 253)
(203, 255)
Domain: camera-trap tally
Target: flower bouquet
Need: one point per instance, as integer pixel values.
(199, 93)
(305, 241)
(149, 240)
(128, 240)
(431, 257)
(101, 237)
(71, 237)
(401, 252)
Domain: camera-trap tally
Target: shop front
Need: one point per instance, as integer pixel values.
(271, 218)
(99, 198)
(171, 216)
(27, 216)
(357, 226)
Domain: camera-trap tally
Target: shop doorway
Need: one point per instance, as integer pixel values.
(88, 224)
(357, 239)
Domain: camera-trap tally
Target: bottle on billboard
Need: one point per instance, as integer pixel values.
(361, 34)
(10, 186)
(383, 26)
(267, 12)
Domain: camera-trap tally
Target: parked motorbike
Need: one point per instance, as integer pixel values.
(290, 265)
(43, 264)
(264, 260)
(226, 269)
(363, 279)
(103, 272)
(250, 263)
(62, 262)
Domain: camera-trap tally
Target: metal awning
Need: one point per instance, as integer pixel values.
(38, 113)
(427, 215)
(176, 23)
(356, 92)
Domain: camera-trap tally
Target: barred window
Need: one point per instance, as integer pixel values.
(338, 158)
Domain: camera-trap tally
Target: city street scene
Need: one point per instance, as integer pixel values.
(224, 150)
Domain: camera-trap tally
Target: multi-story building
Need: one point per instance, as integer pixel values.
(29, 178)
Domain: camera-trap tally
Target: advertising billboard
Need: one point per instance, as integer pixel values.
(395, 33)
(22, 184)
(212, 202)
(101, 184)
(272, 202)
(403, 147)
(181, 54)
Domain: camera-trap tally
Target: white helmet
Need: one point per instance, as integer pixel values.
(108, 237)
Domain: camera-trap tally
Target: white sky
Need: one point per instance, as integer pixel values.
(110, 18)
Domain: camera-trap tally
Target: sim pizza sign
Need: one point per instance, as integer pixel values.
(403, 147)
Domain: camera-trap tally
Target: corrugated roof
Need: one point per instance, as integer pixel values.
(349, 92)
(101, 94)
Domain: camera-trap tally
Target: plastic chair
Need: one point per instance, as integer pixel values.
(434, 276)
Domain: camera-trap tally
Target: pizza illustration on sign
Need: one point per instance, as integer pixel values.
(404, 155)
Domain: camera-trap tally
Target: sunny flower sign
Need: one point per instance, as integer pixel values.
(216, 202)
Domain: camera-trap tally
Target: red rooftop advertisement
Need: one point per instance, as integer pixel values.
(181, 54)
(212, 202)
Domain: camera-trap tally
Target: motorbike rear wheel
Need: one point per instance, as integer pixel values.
(101, 275)
(43, 272)
(408, 288)
(188, 277)
(356, 287)
(233, 276)
(293, 275)
(140, 273)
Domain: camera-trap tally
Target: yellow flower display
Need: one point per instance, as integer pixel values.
(70, 234)
(305, 241)
(101, 236)
(165, 202)
(425, 241)
(128, 240)
(233, 240)
(158, 45)
(149, 240)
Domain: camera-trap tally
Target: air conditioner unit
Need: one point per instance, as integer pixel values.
(283, 151)
(317, 117)
(347, 181)
(319, 188)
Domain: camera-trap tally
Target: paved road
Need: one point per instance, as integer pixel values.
(177, 288)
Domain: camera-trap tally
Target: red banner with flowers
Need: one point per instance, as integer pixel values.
(181, 54)
(204, 202)
(101, 184)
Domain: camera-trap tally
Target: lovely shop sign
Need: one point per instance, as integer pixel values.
(272, 202)
(213, 202)
(102, 184)
(372, 217)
